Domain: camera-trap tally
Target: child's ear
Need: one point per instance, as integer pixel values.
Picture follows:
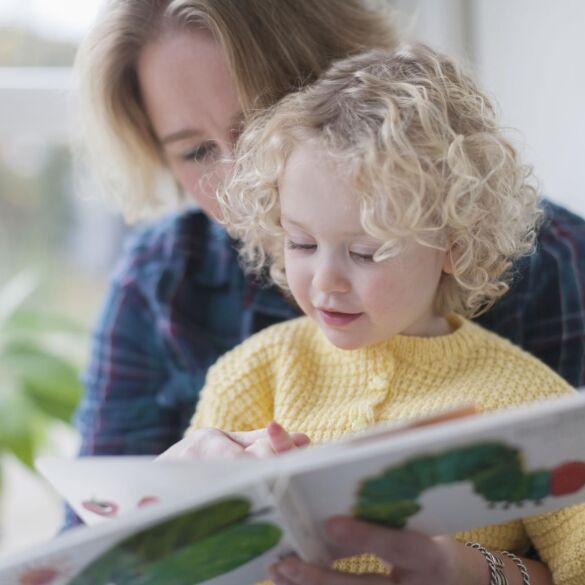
(449, 261)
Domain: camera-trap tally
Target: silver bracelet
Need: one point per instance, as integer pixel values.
(495, 564)
(521, 566)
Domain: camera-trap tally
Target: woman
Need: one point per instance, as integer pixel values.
(165, 88)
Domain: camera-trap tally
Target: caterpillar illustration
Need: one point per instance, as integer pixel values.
(495, 471)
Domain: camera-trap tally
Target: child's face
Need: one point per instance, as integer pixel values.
(329, 266)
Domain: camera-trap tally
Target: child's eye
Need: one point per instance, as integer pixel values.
(200, 152)
(362, 257)
(294, 246)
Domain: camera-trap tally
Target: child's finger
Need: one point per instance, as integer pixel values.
(300, 439)
(202, 444)
(282, 441)
(279, 439)
(260, 449)
(246, 438)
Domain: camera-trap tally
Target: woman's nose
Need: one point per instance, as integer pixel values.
(218, 171)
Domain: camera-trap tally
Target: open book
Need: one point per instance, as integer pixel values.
(222, 522)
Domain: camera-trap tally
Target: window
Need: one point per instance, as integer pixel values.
(50, 222)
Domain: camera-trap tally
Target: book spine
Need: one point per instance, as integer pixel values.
(302, 531)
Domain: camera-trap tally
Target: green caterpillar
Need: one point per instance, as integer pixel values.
(185, 550)
(495, 471)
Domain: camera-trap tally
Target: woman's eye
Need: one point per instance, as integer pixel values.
(200, 152)
(362, 257)
(294, 246)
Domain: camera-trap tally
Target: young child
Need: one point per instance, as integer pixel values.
(385, 198)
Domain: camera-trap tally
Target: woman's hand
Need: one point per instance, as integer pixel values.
(414, 558)
(215, 443)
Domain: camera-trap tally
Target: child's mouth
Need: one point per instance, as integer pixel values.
(336, 318)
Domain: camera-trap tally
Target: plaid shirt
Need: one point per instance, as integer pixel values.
(544, 312)
(179, 300)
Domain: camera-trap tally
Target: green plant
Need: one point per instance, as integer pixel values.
(39, 381)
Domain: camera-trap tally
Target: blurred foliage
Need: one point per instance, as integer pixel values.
(39, 381)
(22, 48)
(41, 350)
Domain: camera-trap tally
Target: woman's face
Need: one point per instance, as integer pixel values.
(191, 100)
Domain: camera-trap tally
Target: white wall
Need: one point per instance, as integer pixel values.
(530, 56)
(443, 24)
(35, 102)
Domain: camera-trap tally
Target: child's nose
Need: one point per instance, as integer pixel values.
(330, 278)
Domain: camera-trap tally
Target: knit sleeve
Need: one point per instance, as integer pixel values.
(239, 389)
(559, 538)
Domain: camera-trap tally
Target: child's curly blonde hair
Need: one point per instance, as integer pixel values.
(425, 156)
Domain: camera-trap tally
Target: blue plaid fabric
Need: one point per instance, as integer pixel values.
(178, 301)
(544, 312)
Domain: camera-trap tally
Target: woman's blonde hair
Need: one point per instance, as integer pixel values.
(273, 47)
(422, 149)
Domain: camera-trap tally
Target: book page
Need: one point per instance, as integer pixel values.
(458, 475)
(101, 488)
(226, 537)
(443, 478)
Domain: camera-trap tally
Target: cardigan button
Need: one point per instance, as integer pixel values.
(378, 383)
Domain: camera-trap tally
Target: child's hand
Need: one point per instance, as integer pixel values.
(276, 441)
(215, 443)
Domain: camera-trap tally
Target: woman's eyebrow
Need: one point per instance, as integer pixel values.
(235, 123)
(180, 135)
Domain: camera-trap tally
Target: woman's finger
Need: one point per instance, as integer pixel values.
(295, 572)
(405, 550)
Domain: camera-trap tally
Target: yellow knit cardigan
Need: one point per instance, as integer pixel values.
(291, 373)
